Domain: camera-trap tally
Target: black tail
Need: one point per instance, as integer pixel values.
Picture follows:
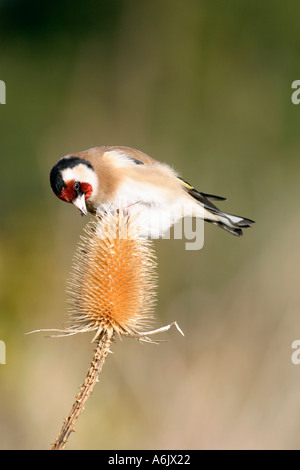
(231, 223)
(228, 224)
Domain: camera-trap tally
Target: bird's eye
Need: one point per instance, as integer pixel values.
(77, 186)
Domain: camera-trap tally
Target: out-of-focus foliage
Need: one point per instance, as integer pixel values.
(206, 87)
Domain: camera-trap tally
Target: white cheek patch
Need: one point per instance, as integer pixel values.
(83, 174)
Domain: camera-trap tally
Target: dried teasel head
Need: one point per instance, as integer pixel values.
(113, 280)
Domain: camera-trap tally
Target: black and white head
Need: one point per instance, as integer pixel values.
(73, 180)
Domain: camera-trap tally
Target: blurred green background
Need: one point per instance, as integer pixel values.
(206, 87)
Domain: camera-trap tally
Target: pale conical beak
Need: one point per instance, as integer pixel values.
(79, 202)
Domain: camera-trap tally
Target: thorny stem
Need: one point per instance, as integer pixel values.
(87, 387)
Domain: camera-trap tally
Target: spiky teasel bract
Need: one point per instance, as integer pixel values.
(113, 280)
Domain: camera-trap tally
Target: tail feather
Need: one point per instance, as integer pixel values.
(231, 223)
(238, 232)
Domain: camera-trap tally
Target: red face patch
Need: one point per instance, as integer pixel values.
(68, 193)
(87, 189)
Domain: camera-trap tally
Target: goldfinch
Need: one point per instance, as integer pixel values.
(104, 178)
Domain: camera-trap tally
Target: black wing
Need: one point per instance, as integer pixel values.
(202, 197)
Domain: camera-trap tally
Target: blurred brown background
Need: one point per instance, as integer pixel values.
(206, 87)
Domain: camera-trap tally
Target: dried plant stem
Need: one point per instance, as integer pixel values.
(102, 349)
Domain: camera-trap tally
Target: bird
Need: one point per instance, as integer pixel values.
(106, 178)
